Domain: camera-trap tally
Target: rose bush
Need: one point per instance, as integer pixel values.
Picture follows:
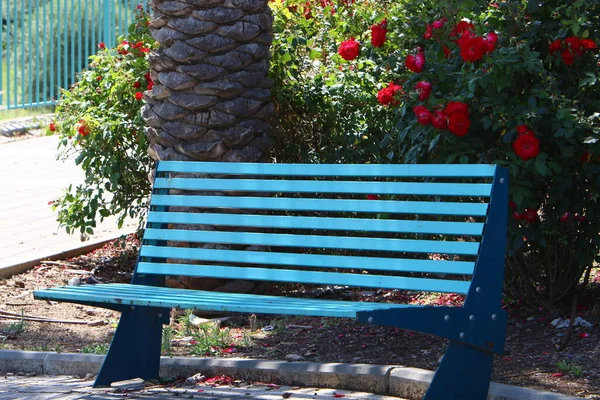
(100, 125)
(507, 82)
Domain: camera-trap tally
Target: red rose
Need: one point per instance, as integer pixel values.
(428, 32)
(424, 90)
(98, 78)
(492, 37)
(527, 146)
(386, 95)
(52, 127)
(588, 44)
(101, 46)
(439, 120)
(472, 48)
(349, 49)
(150, 85)
(446, 51)
(524, 130)
(530, 215)
(439, 24)
(459, 124)
(518, 216)
(456, 107)
(378, 33)
(139, 96)
(461, 27)
(575, 45)
(147, 76)
(415, 63)
(136, 84)
(567, 57)
(565, 217)
(579, 218)
(424, 116)
(82, 128)
(555, 46)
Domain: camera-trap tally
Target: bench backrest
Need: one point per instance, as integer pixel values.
(319, 224)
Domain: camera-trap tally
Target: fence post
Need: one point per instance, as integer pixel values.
(109, 33)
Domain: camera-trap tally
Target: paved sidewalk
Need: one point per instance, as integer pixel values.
(70, 388)
(30, 177)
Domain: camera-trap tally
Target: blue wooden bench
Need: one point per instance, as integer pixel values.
(316, 224)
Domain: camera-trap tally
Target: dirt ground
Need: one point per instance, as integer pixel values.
(531, 358)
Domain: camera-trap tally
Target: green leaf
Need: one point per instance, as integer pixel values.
(540, 166)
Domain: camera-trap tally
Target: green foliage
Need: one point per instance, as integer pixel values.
(568, 368)
(328, 111)
(325, 108)
(100, 125)
(96, 348)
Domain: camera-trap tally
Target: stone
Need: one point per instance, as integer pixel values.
(219, 15)
(267, 112)
(192, 26)
(212, 43)
(185, 132)
(158, 22)
(184, 53)
(177, 80)
(241, 31)
(263, 142)
(245, 154)
(294, 357)
(173, 8)
(192, 101)
(130, 384)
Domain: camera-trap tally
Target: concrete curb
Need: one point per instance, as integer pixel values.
(7, 272)
(390, 380)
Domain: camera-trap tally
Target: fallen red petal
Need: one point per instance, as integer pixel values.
(558, 374)
(339, 395)
(584, 335)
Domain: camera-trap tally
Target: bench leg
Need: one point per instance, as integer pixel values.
(464, 373)
(135, 348)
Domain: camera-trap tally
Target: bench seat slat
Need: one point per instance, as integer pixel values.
(311, 277)
(340, 205)
(357, 170)
(314, 241)
(311, 260)
(138, 295)
(300, 186)
(326, 223)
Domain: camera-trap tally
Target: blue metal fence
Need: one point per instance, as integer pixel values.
(46, 42)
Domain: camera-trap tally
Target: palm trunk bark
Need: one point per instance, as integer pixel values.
(211, 99)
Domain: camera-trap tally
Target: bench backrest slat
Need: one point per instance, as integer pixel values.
(314, 277)
(301, 186)
(316, 224)
(354, 170)
(334, 205)
(310, 260)
(314, 241)
(342, 224)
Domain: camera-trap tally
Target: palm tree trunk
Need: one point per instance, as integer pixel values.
(211, 99)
